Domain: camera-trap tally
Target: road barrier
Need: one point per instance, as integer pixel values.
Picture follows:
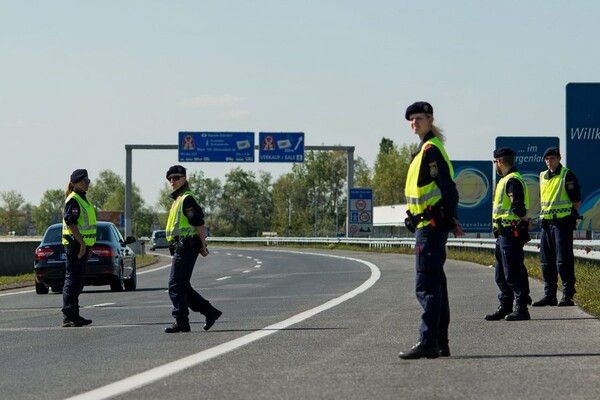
(16, 257)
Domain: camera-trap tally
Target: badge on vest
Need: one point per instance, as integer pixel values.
(433, 169)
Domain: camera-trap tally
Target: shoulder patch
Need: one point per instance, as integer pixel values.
(189, 212)
(427, 146)
(433, 169)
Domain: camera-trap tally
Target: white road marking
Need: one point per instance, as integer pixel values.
(223, 278)
(100, 305)
(155, 374)
(20, 292)
(246, 271)
(257, 266)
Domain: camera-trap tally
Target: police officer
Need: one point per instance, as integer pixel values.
(186, 233)
(509, 217)
(560, 201)
(78, 236)
(432, 203)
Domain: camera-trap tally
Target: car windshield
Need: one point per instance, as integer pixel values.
(160, 234)
(54, 234)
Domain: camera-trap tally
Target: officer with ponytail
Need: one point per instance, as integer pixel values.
(78, 236)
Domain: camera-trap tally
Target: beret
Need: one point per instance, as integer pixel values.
(552, 151)
(417, 108)
(175, 169)
(78, 175)
(503, 152)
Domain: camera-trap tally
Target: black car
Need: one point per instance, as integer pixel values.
(112, 262)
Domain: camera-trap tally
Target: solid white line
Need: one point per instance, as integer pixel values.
(20, 292)
(158, 373)
(246, 271)
(223, 278)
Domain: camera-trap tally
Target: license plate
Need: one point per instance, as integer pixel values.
(62, 256)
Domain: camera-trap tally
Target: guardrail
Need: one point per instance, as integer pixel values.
(584, 249)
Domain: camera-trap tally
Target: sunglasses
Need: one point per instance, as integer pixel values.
(175, 177)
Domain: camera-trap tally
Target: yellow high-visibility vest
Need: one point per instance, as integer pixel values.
(554, 199)
(502, 215)
(178, 224)
(86, 222)
(419, 198)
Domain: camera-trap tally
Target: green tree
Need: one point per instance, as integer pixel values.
(50, 209)
(12, 216)
(243, 209)
(391, 167)
(362, 174)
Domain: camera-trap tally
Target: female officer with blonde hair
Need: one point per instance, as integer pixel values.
(432, 200)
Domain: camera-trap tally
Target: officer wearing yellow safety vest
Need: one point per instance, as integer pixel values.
(432, 200)
(186, 233)
(560, 201)
(79, 235)
(511, 228)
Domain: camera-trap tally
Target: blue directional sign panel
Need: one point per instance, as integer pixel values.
(474, 184)
(216, 146)
(281, 147)
(583, 147)
(360, 215)
(530, 162)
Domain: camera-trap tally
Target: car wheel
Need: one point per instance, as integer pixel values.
(131, 283)
(40, 288)
(116, 284)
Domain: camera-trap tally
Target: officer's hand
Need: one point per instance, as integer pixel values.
(82, 251)
(532, 224)
(203, 250)
(457, 230)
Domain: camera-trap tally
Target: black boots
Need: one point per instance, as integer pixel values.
(520, 314)
(75, 321)
(211, 318)
(178, 327)
(545, 301)
(423, 350)
(500, 313)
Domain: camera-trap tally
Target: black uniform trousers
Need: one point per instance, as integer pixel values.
(182, 295)
(74, 280)
(511, 274)
(556, 257)
(431, 285)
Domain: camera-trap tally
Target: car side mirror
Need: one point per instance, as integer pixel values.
(130, 239)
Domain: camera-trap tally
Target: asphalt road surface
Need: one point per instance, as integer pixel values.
(296, 324)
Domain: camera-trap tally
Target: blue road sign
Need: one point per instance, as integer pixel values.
(583, 147)
(281, 147)
(474, 184)
(360, 216)
(216, 146)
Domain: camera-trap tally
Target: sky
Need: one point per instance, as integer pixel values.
(81, 79)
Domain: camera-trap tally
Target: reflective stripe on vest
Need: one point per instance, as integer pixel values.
(86, 222)
(555, 201)
(502, 215)
(178, 224)
(419, 198)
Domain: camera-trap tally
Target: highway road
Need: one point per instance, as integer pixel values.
(297, 324)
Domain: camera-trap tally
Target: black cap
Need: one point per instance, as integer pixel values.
(78, 175)
(417, 108)
(552, 151)
(175, 169)
(503, 152)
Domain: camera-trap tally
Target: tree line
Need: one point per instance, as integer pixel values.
(311, 200)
